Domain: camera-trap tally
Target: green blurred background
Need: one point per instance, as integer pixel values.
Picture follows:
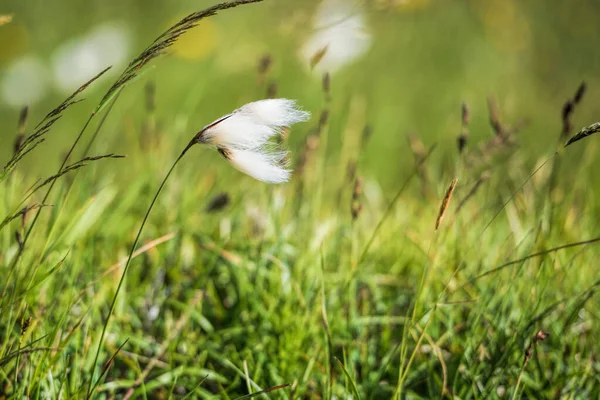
(419, 60)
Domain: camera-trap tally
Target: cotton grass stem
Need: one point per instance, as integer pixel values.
(92, 385)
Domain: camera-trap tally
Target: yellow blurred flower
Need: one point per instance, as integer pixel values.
(403, 5)
(5, 19)
(197, 43)
(411, 5)
(505, 25)
(14, 40)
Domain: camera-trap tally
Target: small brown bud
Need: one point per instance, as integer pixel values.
(540, 336)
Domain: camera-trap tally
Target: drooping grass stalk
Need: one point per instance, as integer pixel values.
(93, 385)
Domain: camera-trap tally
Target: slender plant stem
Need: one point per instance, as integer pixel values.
(93, 385)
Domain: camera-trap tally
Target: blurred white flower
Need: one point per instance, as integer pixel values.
(24, 82)
(77, 60)
(242, 137)
(340, 34)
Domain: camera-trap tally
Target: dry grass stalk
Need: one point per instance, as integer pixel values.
(445, 203)
(583, 133)
(356, 206)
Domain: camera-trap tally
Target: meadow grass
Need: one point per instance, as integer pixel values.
(472, 277)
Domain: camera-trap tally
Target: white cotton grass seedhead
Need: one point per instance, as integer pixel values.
(243, 137)
(252, 125)
(263, 166)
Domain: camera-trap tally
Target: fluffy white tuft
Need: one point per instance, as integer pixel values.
(266, 167)
(274, 112)
(243, 137)
(252, 125)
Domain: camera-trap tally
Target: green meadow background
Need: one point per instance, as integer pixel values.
(281, 282)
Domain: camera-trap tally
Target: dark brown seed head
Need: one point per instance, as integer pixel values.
(567, 110)
(580, 92)
(217, 203)
(25, 326)
(461, 142)
(445, 203)
(356, 206)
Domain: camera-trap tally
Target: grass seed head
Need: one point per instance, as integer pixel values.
(445, 203)
(21, 129)
(357, 206)
(583, 133)
(25, 326)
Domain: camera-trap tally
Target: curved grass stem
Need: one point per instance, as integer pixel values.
(93, 385)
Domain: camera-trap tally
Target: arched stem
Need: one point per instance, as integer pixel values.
(93, 385)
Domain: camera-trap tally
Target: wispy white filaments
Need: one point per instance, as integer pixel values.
(243, 137)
